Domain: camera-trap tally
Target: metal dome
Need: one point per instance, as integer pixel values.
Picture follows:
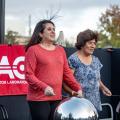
(75, 109)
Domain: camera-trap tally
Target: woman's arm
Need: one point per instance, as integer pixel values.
(104, 89)
(68, 76)
(69, 90)
(30, 66)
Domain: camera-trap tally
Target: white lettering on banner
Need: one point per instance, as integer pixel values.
(5, 67)
(2, 82)
(16, 82)
(13, 82)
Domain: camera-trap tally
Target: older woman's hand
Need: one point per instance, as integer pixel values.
(79, 93)
(106, 91)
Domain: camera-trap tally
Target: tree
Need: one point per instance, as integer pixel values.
(110, 27)
(10, 37)
(68, 44)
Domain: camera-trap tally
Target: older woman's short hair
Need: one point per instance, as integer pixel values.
(84, 37)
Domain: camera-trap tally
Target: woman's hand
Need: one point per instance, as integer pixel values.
(79, 93)
(74, 93)
(49, 91)
(106, 91)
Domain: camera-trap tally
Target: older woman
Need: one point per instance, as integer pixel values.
(86, 68)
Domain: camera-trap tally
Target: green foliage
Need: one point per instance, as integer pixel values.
(110, 27)
(68, 44)
(10, 37)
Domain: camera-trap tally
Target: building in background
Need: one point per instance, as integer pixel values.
(60, 40)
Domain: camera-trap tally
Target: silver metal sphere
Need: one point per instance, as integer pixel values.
(75, 109)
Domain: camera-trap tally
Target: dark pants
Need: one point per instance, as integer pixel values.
(42, 110)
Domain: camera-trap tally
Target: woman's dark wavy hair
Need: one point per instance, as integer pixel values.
(39, 28)
(84, 37)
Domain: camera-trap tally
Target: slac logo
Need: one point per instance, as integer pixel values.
(16, 70)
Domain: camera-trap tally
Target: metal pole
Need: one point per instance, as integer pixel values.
(30, 25)
(2, 21)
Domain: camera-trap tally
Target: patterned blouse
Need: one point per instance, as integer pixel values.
(89, 77)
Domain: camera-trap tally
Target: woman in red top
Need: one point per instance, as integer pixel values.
(46, 67)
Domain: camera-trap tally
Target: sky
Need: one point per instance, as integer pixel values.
(74, 16)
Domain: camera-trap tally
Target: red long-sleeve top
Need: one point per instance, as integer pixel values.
(47, 68)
